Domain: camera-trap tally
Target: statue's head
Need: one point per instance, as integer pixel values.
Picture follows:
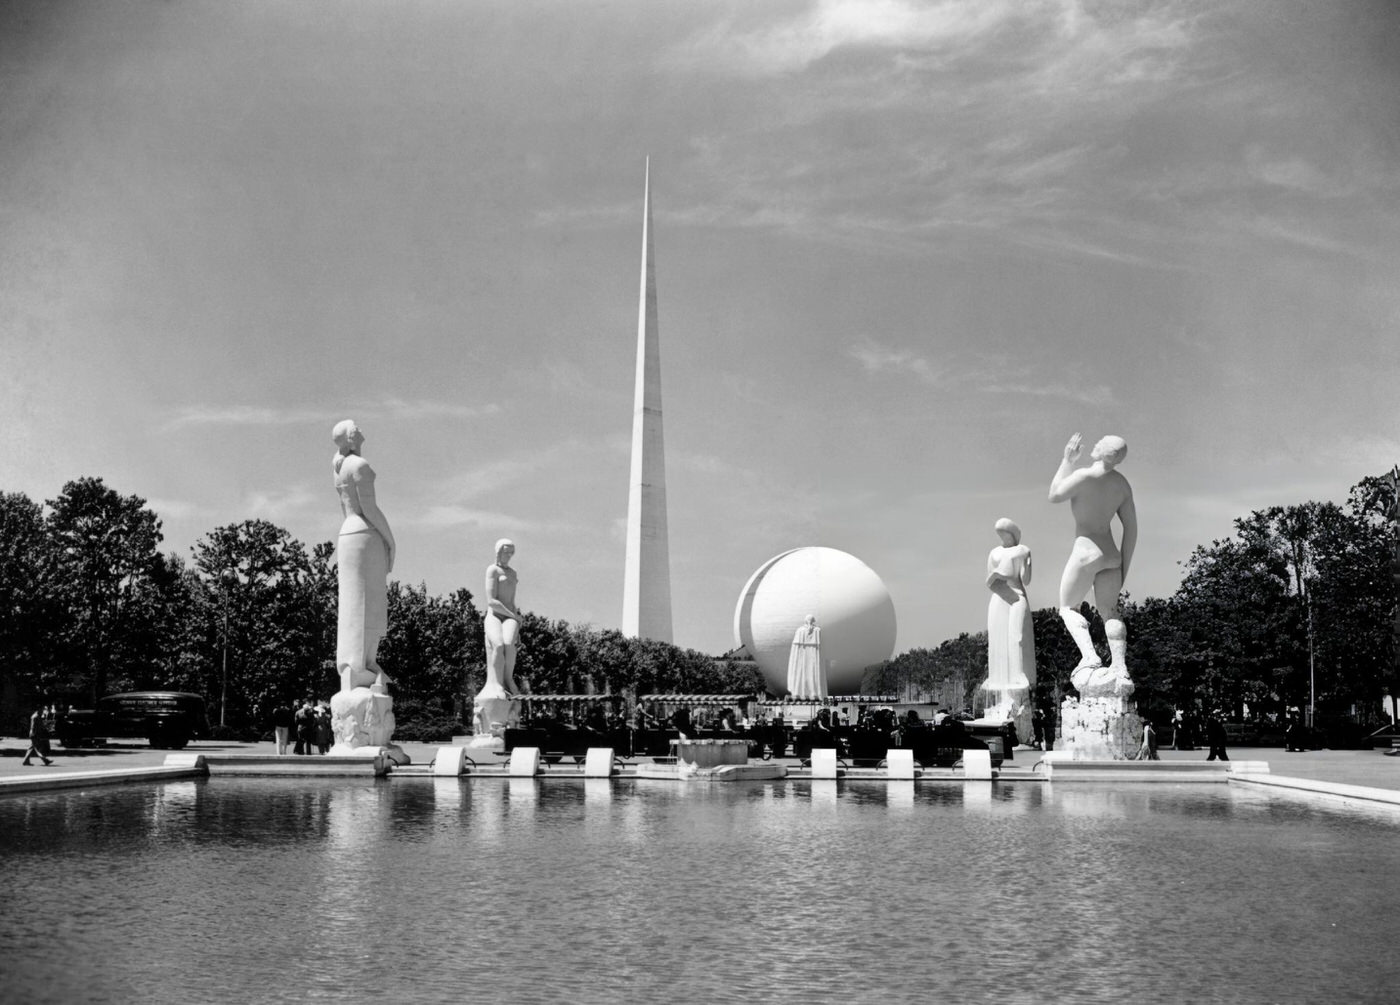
(347, 434)
(810, 619)
(1010, 533)
(1111, 450)
(505, 548)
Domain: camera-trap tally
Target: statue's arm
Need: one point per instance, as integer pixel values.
(992, 574)
(1026, 570)
(364, 491)
(1127, 516)
(1066, 479)
(493, 597)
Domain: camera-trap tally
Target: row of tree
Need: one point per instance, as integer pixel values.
(89, 605)
(1298, 607)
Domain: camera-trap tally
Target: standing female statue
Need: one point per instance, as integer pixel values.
(1010, 636)
(502, 624)
(806, 676)
(364, 559)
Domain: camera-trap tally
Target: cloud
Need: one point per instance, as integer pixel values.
(878, 359)
(252, 415)
(282, 507)
(441, 517)
(174, 509)
(830, 25)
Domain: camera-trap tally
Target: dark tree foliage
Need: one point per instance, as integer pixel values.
(103, 546)
(1300, 601)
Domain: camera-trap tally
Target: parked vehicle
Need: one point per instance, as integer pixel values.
(167, 719)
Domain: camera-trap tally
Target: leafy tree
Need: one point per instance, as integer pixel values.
(263, 613)
(104, 547)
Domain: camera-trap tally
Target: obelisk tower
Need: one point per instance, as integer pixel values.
(646, 590)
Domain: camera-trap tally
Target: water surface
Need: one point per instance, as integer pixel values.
(415, 890)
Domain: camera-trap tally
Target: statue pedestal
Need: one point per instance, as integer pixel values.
(362, 720)
(492, 713)
(1010, 705)
(1100, 728)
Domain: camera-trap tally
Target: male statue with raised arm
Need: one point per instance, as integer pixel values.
(1096, 495)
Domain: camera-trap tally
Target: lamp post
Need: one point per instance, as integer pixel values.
(227, 576)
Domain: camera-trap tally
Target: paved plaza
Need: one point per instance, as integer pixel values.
(1365, 768)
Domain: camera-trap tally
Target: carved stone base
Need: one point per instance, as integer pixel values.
(1098, 729)
(492, 714)
(1010, 706)
(362, 720)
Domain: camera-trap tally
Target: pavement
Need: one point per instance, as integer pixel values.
(1369, 769)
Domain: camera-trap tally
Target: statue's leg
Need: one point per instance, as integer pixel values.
(495, 652)
(510, 636)
(1108, 584)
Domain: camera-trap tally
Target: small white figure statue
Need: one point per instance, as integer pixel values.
(495, 703)
(1010, 634)
(1096, 495)
(806, 674)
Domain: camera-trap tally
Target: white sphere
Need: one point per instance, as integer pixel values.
(852, 607)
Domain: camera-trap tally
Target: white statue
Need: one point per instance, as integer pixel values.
(1096, 495)
(806, 674)
(495, 703)
(364, 559)
(362, 713)
(1010, 635)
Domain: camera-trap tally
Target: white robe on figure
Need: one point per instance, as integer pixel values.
(806, 674)
(1010, 636)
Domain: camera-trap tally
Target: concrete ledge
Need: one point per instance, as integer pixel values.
(306, 766)
(1069, 770)
(85, 779)
(1336, 790)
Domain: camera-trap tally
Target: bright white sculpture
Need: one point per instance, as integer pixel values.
(1010, 634)
(1096, 495)
(848, 599)
(495, 705)
(362, 713)
(806, 675)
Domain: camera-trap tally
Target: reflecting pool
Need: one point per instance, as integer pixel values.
(250, 890)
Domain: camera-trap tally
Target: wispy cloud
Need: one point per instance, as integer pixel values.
(251, 415)
(878, 359)
(985, 377)
(283, 507)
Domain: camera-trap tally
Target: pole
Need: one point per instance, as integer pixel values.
(1312, 693)
(223, 690)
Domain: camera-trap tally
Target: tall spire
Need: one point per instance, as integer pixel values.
(646, 591)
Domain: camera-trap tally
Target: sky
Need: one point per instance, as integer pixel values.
(903, 251)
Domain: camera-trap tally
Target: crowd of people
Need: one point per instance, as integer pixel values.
(305, 727)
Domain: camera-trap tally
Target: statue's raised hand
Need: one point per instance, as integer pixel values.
(1073, 447)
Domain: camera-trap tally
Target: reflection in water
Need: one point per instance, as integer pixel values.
(593, 891)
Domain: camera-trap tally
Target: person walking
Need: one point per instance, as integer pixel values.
(324, 737)
(1215, 736)
(38, 738)
(282, 720)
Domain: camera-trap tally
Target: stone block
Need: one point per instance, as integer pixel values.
(823, 762)
(450, 761)
(977, 765)
(899, 763)
(599, 763)
(524, 762)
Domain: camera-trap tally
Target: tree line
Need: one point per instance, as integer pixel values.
(1298, 605)
(89, 605)
(1300, 601)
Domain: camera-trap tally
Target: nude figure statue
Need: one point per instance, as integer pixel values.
(502, 623)
(1096, 495)
(364, 559)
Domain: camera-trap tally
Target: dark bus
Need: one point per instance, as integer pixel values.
(168, 719)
